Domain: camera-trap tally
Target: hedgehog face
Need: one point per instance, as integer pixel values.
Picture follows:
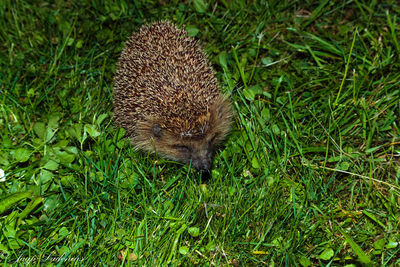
(156, 136)
(199, 152)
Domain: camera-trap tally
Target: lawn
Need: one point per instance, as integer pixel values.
(308, 176)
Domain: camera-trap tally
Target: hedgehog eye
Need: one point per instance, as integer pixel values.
(182, 149)
(212, 140)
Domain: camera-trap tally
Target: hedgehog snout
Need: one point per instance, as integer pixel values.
(203, 161)
(202, 164)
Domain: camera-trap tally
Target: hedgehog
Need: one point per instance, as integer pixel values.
(167, 97)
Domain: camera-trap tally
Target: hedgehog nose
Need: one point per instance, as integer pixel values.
(203, 164)
(205, 175)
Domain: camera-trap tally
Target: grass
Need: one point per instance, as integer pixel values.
(309, 175)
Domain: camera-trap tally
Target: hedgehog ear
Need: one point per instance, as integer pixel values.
(220, 112)
(157, 130)
(222, 108)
